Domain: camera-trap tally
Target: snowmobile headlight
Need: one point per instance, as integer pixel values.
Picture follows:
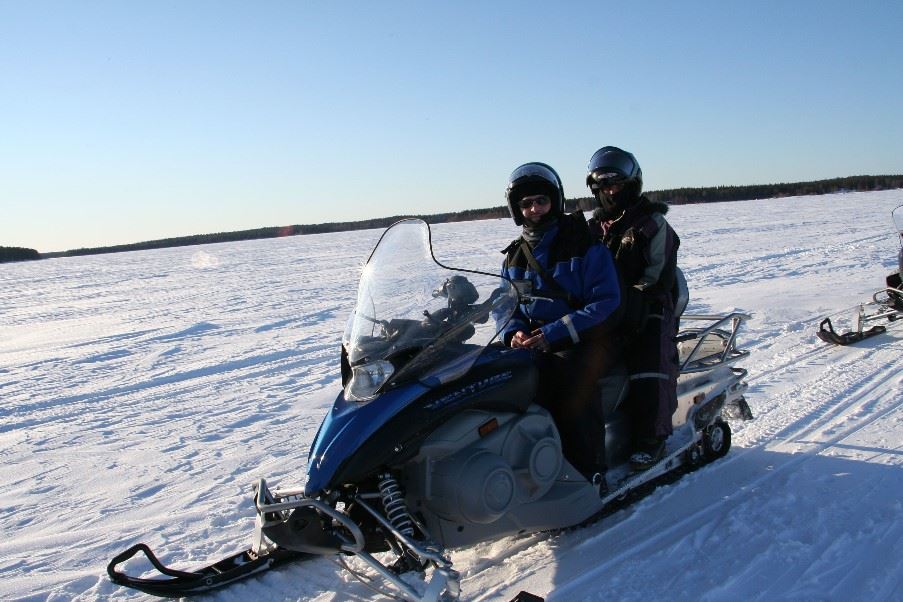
(366, 380)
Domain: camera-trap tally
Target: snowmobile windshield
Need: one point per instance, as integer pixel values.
(897, 215)
(416, 319)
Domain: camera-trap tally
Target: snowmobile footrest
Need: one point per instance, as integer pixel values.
(185, 583)
(827, 334)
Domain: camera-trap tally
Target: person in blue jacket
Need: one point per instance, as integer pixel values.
(572, 324)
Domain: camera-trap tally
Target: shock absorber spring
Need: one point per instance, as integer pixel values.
(393, 502)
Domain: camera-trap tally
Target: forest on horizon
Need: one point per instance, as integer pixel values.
(676, 196)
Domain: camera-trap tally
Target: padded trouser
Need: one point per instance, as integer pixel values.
(652, 363)
(569, 390)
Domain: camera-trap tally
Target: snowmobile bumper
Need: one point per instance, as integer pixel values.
(311, 526)
(735, 406)
(303, 524)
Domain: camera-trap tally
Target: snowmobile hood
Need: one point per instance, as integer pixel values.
(347, 426)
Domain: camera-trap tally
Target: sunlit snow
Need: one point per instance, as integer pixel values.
(142, 394)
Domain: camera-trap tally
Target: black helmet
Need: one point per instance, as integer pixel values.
(534, 178)
(611, 165)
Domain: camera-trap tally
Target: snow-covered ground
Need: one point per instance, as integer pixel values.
(142, 394)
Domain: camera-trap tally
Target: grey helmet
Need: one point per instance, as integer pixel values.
(612, 165)
(534, 178)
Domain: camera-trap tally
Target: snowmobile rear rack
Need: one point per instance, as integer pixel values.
(703, 348)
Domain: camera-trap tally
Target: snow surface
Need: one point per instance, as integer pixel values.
(144, 393)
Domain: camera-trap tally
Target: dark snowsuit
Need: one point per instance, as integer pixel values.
(644, 247)
(578, 322)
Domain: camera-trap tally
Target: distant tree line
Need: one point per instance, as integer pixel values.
(279, 231)
(682, 196)
(17, 254)
(677, 196)
(687, 196)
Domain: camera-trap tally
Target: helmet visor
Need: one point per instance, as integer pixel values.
(533, 171)
(610, 166)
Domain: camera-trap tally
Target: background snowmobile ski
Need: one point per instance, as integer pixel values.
(889, 304)
(887, 301)
(827, 333)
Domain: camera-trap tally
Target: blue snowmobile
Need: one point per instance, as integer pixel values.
(435, 441)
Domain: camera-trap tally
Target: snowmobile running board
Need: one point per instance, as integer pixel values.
(186, 583)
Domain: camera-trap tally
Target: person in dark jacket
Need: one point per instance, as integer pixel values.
(571, 325)
(644, 247)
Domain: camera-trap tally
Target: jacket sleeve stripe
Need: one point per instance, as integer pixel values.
(571, 330)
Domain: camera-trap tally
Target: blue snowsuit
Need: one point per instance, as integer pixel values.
(582, 269)
(579, 323)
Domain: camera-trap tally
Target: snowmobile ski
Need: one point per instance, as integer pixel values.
(185, 583)
(827, 333)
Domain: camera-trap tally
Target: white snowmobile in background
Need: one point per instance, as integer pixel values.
(886, 303)
(435, 441)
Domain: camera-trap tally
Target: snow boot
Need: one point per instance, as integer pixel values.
(600, 483)
(648, 452)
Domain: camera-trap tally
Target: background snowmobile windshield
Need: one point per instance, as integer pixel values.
(416, 319)
(897, 215)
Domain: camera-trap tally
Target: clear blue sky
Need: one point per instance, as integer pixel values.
(130, 121)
